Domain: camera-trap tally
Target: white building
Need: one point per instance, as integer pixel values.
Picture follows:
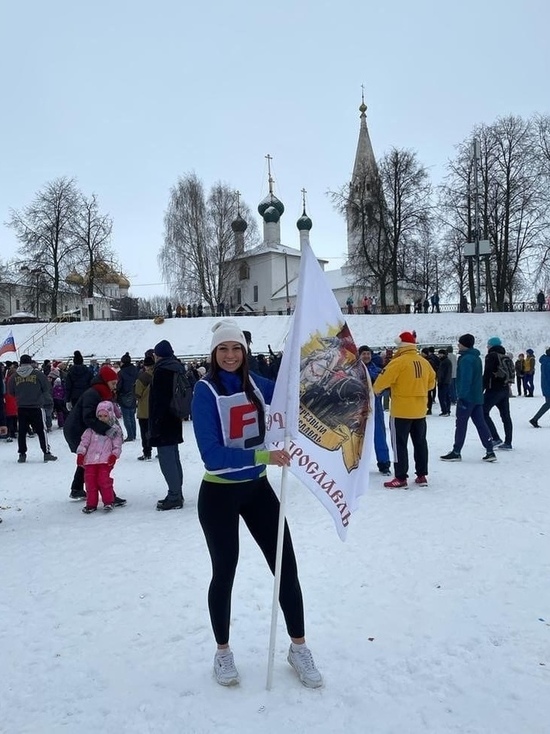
(266, 278)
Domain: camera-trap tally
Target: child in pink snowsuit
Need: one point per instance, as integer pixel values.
(98, 454)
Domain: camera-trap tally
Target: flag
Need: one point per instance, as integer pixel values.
(8, 345)
(323, 400)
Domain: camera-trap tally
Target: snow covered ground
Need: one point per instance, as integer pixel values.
(434, 616)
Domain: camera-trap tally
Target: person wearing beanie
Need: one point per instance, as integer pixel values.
(444, 379)
(77, 380)
(497, 391)
(163, 350)
(97, 454)
(518, 366)
(166, 428)
(380, 443)
(125, 395)
(409, 377)
(84, 415)
(469, 393)
(31, 390)
(529, 373)
(58, 395)
(229, 409)
(142, 389)
(467, 341)
(544, 361)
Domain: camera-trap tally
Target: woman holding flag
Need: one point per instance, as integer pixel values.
(229, 423)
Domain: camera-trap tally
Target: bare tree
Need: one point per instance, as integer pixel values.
(91, 235)
(198, 242)
(44, 229)
(513, 205)
(389, 215)
(542, 125)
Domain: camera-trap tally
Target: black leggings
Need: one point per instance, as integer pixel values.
(219, 508)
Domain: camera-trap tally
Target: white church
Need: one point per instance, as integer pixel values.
(267, 275)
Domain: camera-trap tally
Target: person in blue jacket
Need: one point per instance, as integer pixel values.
(380, 443)
(544, 362)
(229, 423)
(469, 392)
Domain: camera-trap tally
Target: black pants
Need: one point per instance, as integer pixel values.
(78, 479)
(144, 433)
(400, 430)
(501, 400)
(219, 507)
(11, 425)
(444, 395)
(35, 419)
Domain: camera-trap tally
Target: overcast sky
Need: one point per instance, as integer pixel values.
(127, 95)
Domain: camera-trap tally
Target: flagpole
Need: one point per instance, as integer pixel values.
(277, 575)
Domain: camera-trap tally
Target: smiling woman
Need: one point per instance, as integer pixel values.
(229, 406)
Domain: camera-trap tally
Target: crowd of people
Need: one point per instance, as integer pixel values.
(100, 407)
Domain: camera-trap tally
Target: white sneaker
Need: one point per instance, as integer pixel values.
(301, 659)
(224, 668)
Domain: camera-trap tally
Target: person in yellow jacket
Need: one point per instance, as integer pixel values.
(409, 377)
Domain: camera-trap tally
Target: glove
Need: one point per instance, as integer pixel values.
(80, 459)
(111, 461)
(68, 406)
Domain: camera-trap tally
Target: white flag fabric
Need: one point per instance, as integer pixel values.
(323, 399)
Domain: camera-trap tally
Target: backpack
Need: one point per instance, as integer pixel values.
(505, 369)
(179, 405)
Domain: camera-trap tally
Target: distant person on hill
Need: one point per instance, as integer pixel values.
(77, 380)
(540, 300)
(544, 362)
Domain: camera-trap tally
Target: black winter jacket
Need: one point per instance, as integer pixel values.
(78, 379)
(490, 380)
(127, 377)
(445, 372)
(165, 429)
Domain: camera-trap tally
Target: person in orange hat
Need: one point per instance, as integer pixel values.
(409, 378)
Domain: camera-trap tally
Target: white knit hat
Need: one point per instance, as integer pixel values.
(227, 331)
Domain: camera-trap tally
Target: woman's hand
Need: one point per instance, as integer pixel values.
(279, 458)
